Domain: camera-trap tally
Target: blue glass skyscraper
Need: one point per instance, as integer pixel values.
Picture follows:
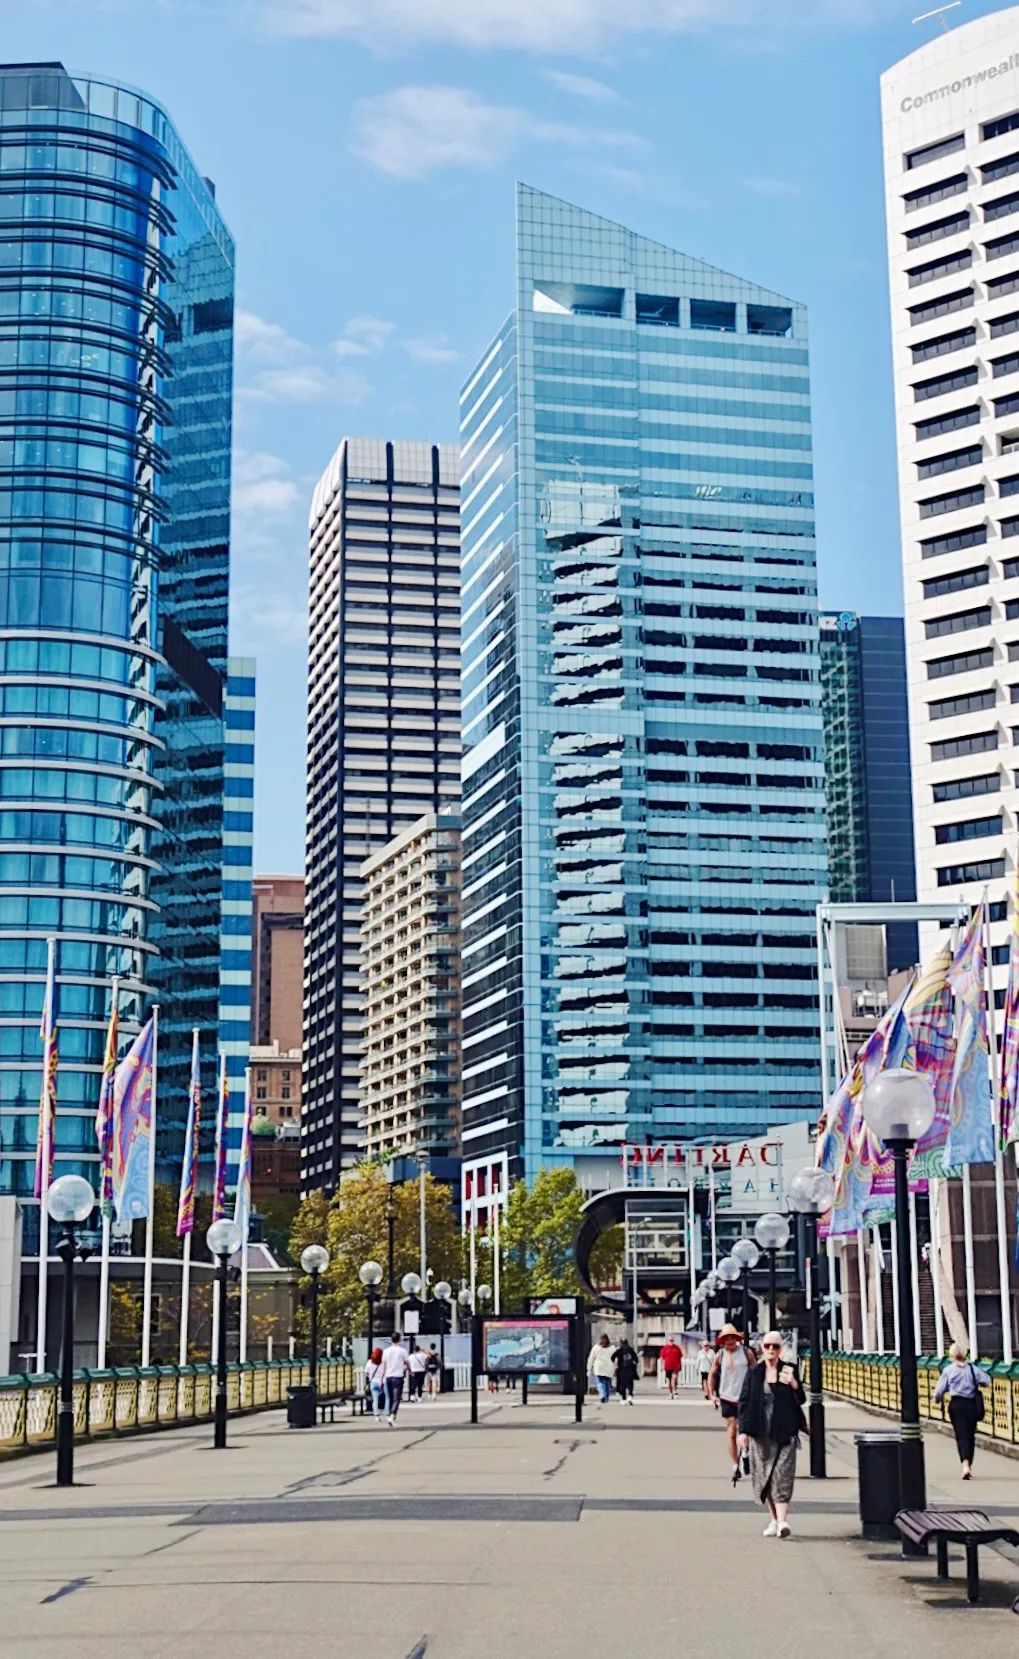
(643, 829)
(116, 320)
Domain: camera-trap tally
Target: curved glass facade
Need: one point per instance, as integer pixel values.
(116, 310)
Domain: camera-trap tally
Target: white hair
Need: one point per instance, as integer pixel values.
(958, 1352)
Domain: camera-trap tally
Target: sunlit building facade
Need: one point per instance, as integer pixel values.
(643, 829)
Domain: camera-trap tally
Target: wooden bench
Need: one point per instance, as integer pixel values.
(970, 1527)
(331, 1401)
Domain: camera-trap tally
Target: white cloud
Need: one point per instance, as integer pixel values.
(580, 26)
(305, 383)
(432, 348)
(262, 484)
(361, 336)
(413, 130)
(276, 367)
(581, 86)
(259, 341)
(266, 615)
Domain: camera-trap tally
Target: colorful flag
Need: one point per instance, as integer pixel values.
(872, 1171)
(242, 1203)
(45, 1133)
(931, 1014)
(1008, 1088)
(132, 1127)
(104, 1116)
(845, 1146)
(189, 1168)
(970, 1137)
(222, 1114)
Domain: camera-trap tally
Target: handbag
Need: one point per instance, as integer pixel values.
(978, 1398)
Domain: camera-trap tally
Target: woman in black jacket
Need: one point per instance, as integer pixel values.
(627, 1367)
(770, 1421)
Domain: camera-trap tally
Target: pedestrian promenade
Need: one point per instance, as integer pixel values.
(528, 1534)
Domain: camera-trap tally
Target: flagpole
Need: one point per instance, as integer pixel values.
(150, 1218)
(914, 1270)
(104, 1255)
(714, 1228)
(895, 1300)
(861, 1274)
(189, 1183)
(218, 1197)
(934, 1201)
(46, 1128)
(879, 1310)
(244, 1174)
(967, 1237)
(999, 1151)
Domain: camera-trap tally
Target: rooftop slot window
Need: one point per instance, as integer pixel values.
(769, 319)
(714, 314)
(578, 299)
(658, 309)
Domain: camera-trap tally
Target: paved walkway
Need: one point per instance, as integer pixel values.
(527, 1535)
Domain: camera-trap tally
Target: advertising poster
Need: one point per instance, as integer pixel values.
(519, 1345)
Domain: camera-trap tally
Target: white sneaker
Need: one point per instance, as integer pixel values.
(391, 1421)
(784, 1531)
(771, 1530)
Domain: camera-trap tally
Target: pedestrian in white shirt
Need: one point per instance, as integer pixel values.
(395, 1370)
(418, 1366)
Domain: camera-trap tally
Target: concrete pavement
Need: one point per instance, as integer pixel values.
(526, 1534)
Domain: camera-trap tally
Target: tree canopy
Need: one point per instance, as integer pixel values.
(537, 1237)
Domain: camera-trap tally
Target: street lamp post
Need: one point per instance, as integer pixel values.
(391, 1231)
(223, 1239)
(746, 1254)
(811, 1194)
(898, 1108)
(314, 1260)
(771, 1232)
(728, 1272)
(370, 1275)
(69, 1202)
(422, 1157)
(411, 1284)
(443, 1293)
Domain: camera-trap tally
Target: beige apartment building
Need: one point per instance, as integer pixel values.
(276, 1085)
(410, 984)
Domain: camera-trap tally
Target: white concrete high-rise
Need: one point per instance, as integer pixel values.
(383, 733)
(951, 148)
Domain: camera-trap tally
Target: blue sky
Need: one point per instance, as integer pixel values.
(364, 153)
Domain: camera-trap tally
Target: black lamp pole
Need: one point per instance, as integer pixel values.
(391, 1245)
(772, 1290)
(745, 1288)
(912, 1474)
(313, 1336)
(219, 1419)
(65, 1416)
(371, 1293)
(815, 1405)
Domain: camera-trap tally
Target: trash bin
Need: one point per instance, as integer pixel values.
(447, 1380)
(301, 1406)
(877, 1457)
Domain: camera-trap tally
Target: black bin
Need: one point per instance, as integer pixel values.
(877, 1457)
(301, 1406)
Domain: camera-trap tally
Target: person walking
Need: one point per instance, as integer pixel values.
(433, 1376)
(395, 1371)
(601, 1368)
(770, 1422)
(418, 1366)
(375, 1385)
(705, 1362)
(962, 1381)
(732, 1361)
(627, 1364)
(672, 1362)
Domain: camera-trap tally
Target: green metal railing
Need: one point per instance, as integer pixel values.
(873, 1380)
(134, 1400)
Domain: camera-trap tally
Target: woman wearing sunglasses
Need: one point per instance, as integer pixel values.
(770, 1422)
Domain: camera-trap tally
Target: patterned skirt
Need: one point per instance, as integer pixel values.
(773, 1470)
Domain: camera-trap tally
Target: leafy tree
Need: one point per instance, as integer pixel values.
(537, 1238)
(352, 1226)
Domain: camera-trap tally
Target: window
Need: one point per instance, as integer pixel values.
(1003, 206)
(976, 577)
(951, 502)
(955, 748)
(998, 287)
(1008, 324)
(261, 1075)
(1011, 610)
(261, 1092)
(658, 309)
(933, 546)
(932, 152)
(952, 461)
(1003, 168)
(938, 668)
(943, 344)
(714, 314)
(943, 383)
(1010, 568)
(1001, 245)
(1001, 124)
(988, 869)
(1009, 486)
(1005, 365)
(969, 829)
(961, 300)
(769, 319)
(285, 1091)
(1007, 405)
(1009, 527)
(946, 707)
(937, 230)
(961, 789)
(958, 622)
(931, 193)
(932, 269)
(941, 424)
(578, 299)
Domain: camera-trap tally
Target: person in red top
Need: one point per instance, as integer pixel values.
(672, 1360)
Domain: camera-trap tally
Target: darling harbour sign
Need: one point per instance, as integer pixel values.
(934, 96)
